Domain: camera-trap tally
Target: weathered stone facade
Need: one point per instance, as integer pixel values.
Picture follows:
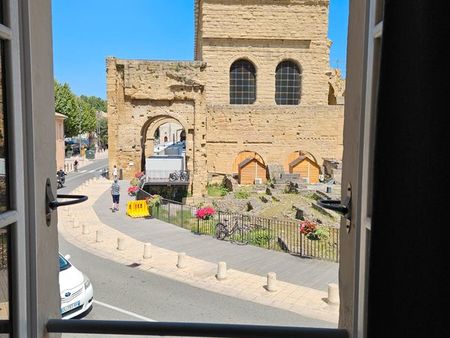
(143, 94)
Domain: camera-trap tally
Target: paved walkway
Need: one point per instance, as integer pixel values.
(247, 266)
(311, 273)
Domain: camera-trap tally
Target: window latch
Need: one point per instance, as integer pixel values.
(52, 204)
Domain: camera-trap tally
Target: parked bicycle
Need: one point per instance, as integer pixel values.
(179, 175)
(223, 230)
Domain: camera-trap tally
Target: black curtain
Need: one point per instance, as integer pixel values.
(408, 281)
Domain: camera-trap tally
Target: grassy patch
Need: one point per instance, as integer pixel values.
(216, 190)
(242, 194)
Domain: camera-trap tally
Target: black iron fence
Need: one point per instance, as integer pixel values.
(272, 234)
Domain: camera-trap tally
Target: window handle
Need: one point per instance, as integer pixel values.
(52, 203)
(343, 208)
(334, 205)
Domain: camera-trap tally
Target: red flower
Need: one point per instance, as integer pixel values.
(133, 189)
(205, 213)
(306, 227)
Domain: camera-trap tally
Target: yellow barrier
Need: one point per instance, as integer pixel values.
(137, 209)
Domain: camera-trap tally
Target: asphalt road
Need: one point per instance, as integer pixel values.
(125, 293)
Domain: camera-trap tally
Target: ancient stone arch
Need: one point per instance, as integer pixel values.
(147, 139)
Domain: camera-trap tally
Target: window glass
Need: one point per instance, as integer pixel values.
(4, 285)
(242, 82)
(287, 84)
(3, 145)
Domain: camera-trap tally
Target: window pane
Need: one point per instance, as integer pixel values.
(4, 273)
(287, 84)
(3, 144)
(242, 83)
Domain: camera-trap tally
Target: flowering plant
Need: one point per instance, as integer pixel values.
(139, 174)
(205, 213)
(310, 230)
(132, 190)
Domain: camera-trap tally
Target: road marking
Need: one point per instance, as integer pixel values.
(118, 309)
(82, 171)
(92, 171)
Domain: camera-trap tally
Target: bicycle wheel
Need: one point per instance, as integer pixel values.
(172, 177)
(239, 236)
(221, 231)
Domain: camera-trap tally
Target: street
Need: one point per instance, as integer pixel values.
(124, 293)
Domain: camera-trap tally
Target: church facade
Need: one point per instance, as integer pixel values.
(260, 87)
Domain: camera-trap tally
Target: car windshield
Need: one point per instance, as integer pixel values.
(63, 263)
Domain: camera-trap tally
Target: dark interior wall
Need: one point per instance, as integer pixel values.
(409, 257)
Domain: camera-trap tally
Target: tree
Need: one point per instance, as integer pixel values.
(80, 112)
(66, 104)
(102, 130)
(95, 102)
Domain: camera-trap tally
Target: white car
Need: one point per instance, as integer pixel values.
(76, 289)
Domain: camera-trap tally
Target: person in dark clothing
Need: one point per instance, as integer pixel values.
(115, 193)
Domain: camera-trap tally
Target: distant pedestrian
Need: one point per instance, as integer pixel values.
(115, 172)
(115, 193)
(75, 165)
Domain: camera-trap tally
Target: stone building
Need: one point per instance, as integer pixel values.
(261, 83)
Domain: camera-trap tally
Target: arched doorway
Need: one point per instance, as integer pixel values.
(167, 157)
(164, 136)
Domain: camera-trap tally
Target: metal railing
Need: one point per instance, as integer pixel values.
(272, 234)
(118, 327)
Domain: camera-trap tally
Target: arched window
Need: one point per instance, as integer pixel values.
(287, 83)
(242, 82)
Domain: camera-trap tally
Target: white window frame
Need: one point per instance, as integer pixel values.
(373, 55)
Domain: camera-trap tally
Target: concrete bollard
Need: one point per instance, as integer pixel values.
(333, 293)
(84, 229)
(181, 260)
(147, 250)
(221, 271)
(271, 282)
(120, 243)
(99, 236)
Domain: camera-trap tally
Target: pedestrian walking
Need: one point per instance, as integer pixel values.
(75, 165)
(115, 193)
(115, 172)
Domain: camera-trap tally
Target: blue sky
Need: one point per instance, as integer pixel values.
(85, 32)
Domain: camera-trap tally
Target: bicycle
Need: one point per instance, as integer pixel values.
(223, 231)
(179, 175)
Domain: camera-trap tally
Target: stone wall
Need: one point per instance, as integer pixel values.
(143, 95)
(266, 33)
(273, 133)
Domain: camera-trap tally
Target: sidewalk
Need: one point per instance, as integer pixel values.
(199, 271)
(311, 273)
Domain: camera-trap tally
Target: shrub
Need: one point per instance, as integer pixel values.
(242, 194)
(154, 201)
(217, 190)
(134, 182)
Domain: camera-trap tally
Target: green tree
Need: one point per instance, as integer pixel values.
(80, 113)
(95, 102)
(66, 103)
(102, 130)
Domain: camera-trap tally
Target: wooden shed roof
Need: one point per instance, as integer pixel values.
(247, 161)
(301, 159)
